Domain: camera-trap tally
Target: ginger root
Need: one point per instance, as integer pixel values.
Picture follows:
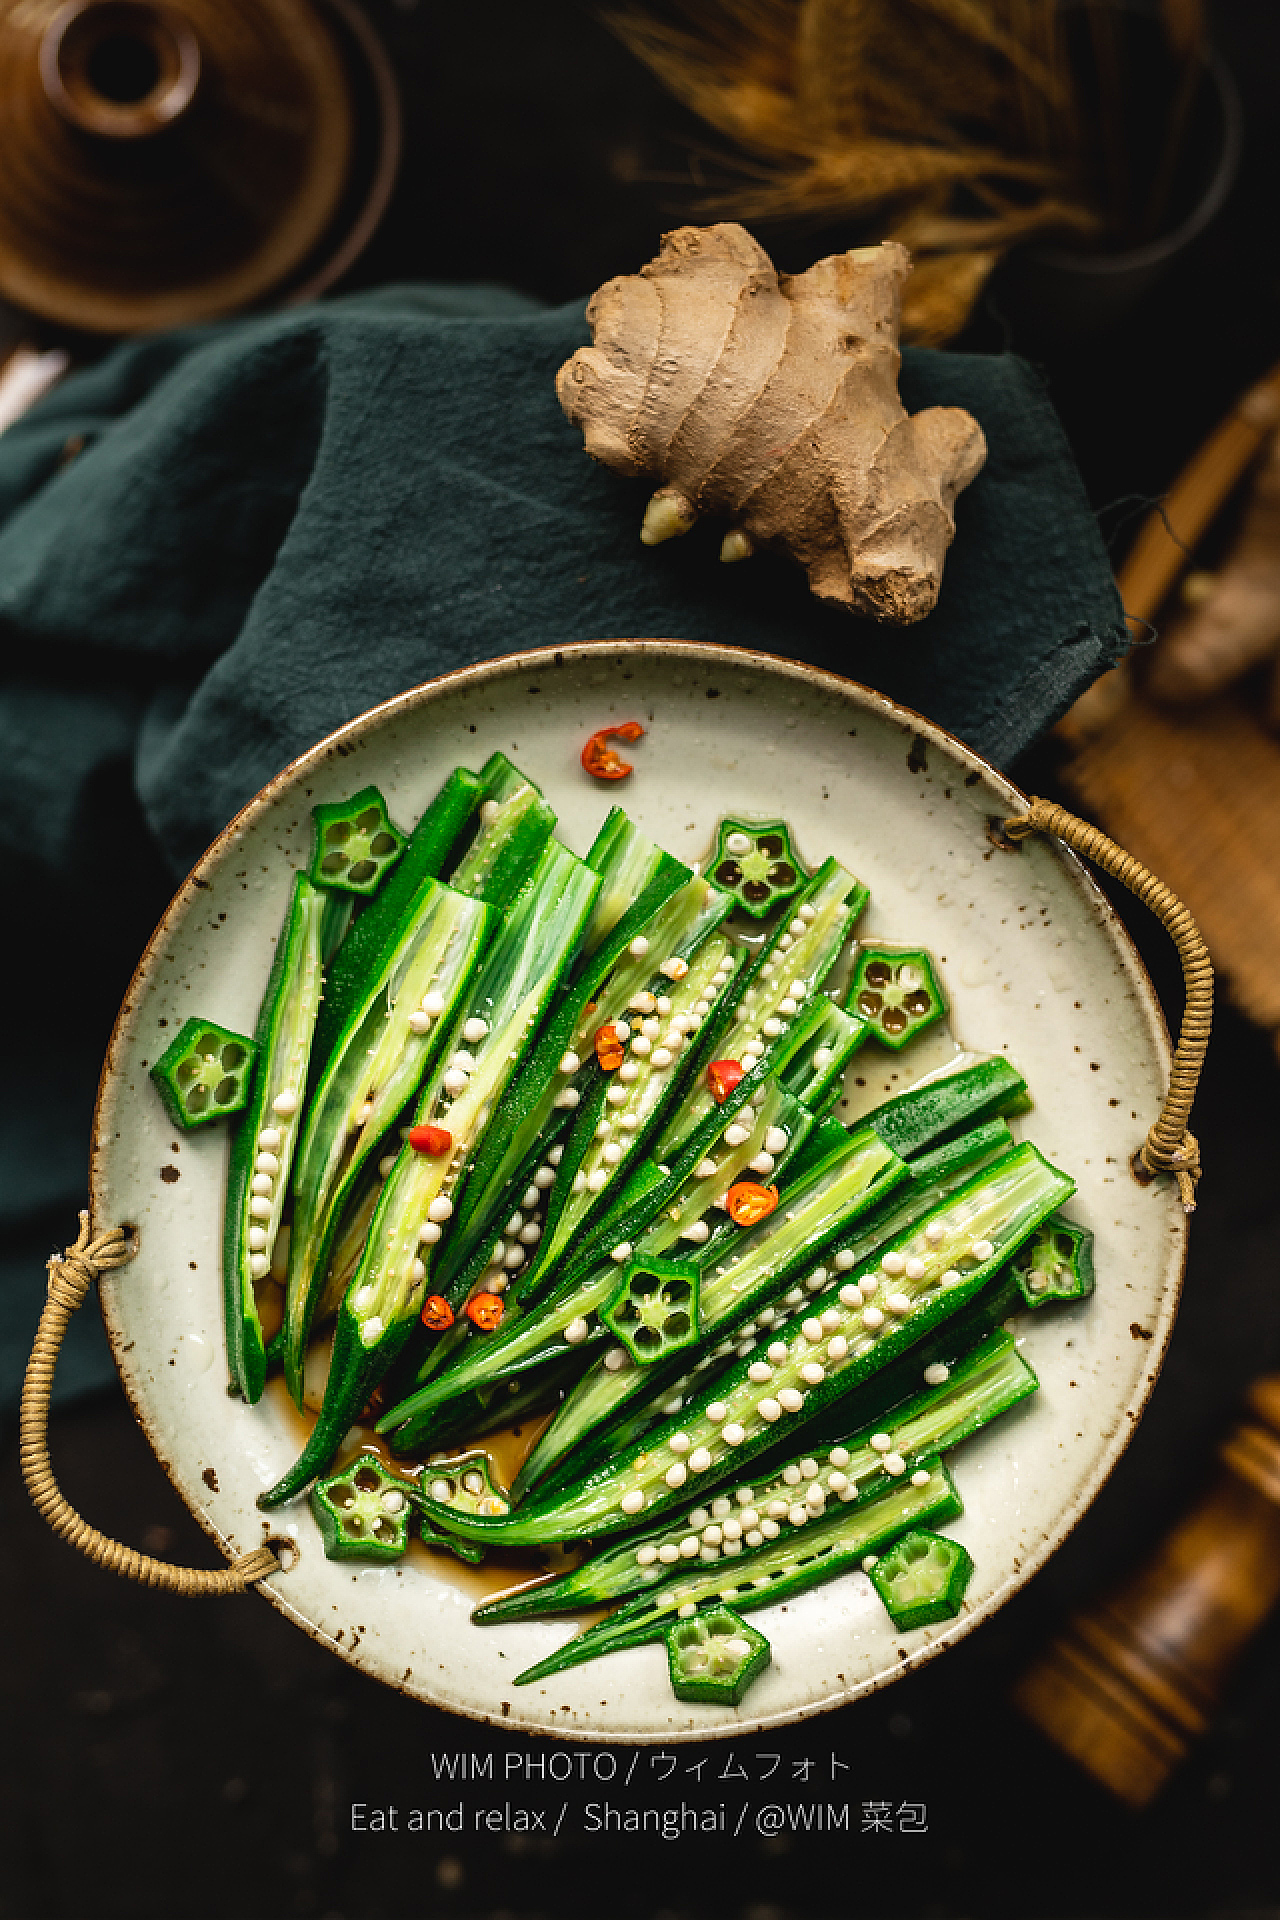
(773, 400)
(1233, 617)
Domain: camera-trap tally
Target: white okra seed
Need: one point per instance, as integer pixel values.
(632, 1502)
(790, 1400)
(699, 1460)
(475, 1030)
(576, 1332)
(668, 1553)
(259, 1208)
(259, 1266)
(844, 1260)
(269, 1138)
(544, 1179)
(919, 1478)
(646, 1556)
(285, 1103)
(428, 1233)
(894, 1464)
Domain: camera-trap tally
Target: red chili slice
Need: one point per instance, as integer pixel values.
(599, 758)
(485, 1310)
(610, 1050)
(437, 1314)
(436, 1141)
(749, 1203)
(722, 1077)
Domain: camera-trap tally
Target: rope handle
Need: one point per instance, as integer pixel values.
(70, 1277)
(1169, 1146)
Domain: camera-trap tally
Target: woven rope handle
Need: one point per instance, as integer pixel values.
(70, 1278)
(1169, 1146)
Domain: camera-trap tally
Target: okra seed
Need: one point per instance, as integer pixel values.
(1037, 1281)
(642, 1046)
(622, 1252)
(371, 1331)
(712, 1536)
(869, 1286)
(576, 1332)
(689, 1547)
(844, 1261)
(790, 1400)
(770, 1528)
(894, 1464)
(259, 1208)
(822, 1059)
(514, 1225)
(771, 1028)
(766, 972)
(755, 1538)
(699, 1460)
(812, 1373)
(455, 1081)
(675, 968)
(897, 1303)
(681, 1023)
(951, 1278)
(669, 1553)
(831, 1319)
(475, 1030)
(705, 1170)
(812, 1330)
(808, 1469)
(615, 1358)
(433, 1003)
(796, 1297)
(919, 1478)
(679, 1443)
(751, 1057)
(676, 1474)
(850, 1294)
(639, 947)
(982, 1249)
(699, 1517)
(915, 1269)
(579, 1182)
(872, 1319)
(628, 1071)
(441, 1209)
(937, 1373)
(798, 1515)
(269, 1138)
(763, 1163)
(893, 1264)
(646, 1556)
(837, 1349)
(837, 1482)
(615, 1096)
(417, 1271)
(267, 1163)
(808, 913)
(786, 1006)
(716, 1412)
(736, 1135)
(464, 1060)
(428, 1233)
(734, 1434)
(815, 1499)
(661, 1057)
(441, 1490)
(881, 1442)
(869, 1560)
(261, 1183)
(419, 1022)
(663, 1004)
(285, 1103)
(531, 1199)
(259, 1266)
(385, 1165)
(737, 843)
(365, 1114)
(530, 1234)
(698, 1231)
(257, 1239)
(516, 1257)
(496, 1283)
(632, 1502)
(785, 942)
(543, 1179)
(759, 1372)
(769, 1410)
(642, 1003)
(556, 1155)
(686, 1611)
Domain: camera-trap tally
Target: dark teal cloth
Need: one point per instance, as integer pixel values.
(275, 523)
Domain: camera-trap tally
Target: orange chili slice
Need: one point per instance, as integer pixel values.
(485, 1310)
(722, 1077)
(610, 1050)
(749, 1203)
(600, 759)
(437, 1314)
(437, 1141)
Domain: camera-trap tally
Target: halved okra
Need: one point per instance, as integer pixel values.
(715, 1656)
(922, 1579)
(755, 862)
(515, 824)
(393, 1036)
(735, 1521)
(769, 991)
(896, 993)
(490, 1038)
(849, 1333)
(205, 1073)
(563, 1320)
(836, 1543)
(354, 844)
(262, 1146)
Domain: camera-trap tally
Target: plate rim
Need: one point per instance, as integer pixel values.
(513, 665)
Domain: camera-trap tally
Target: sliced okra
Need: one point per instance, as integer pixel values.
(896, 993)
(715, 1656)
(363, 1512)
(922, 1579)
(1055, 1264)
(755, 861)
(354, 844)
(204, 1073)
(655, 1310)
(465, 1482)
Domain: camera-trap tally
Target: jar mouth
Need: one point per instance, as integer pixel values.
(120, 69)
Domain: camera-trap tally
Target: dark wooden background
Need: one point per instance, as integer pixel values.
(164, 1758)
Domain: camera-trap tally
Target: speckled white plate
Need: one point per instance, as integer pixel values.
(1033, 960)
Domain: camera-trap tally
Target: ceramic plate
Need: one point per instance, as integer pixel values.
(1035, 965)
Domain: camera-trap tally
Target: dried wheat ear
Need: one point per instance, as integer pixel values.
(772, 400)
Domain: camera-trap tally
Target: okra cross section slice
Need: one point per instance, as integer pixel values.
(715, 1656)
(363, 1512)
(896, 993)
(654, 1312)
(1055, 1264)
(204, 1073)
(736, 1521)
(849, 1333)
(836, 1544)
(395, 1031)
(465, 1482)
(791, 966)
(354, 844)
(755, 861)
(263, 1144)
(922, 1579)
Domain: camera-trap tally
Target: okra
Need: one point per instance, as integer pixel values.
(1055, 1264)
(515, 825)
(205, 1073)
(922, 1579)
(924, 1276)
(394, 1034)
(490, 1038)
(354, 844)
(733, 1523)
(837, 1543)
(755, 862)
(266, 1135)
(896, 993)
(714, 1657)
